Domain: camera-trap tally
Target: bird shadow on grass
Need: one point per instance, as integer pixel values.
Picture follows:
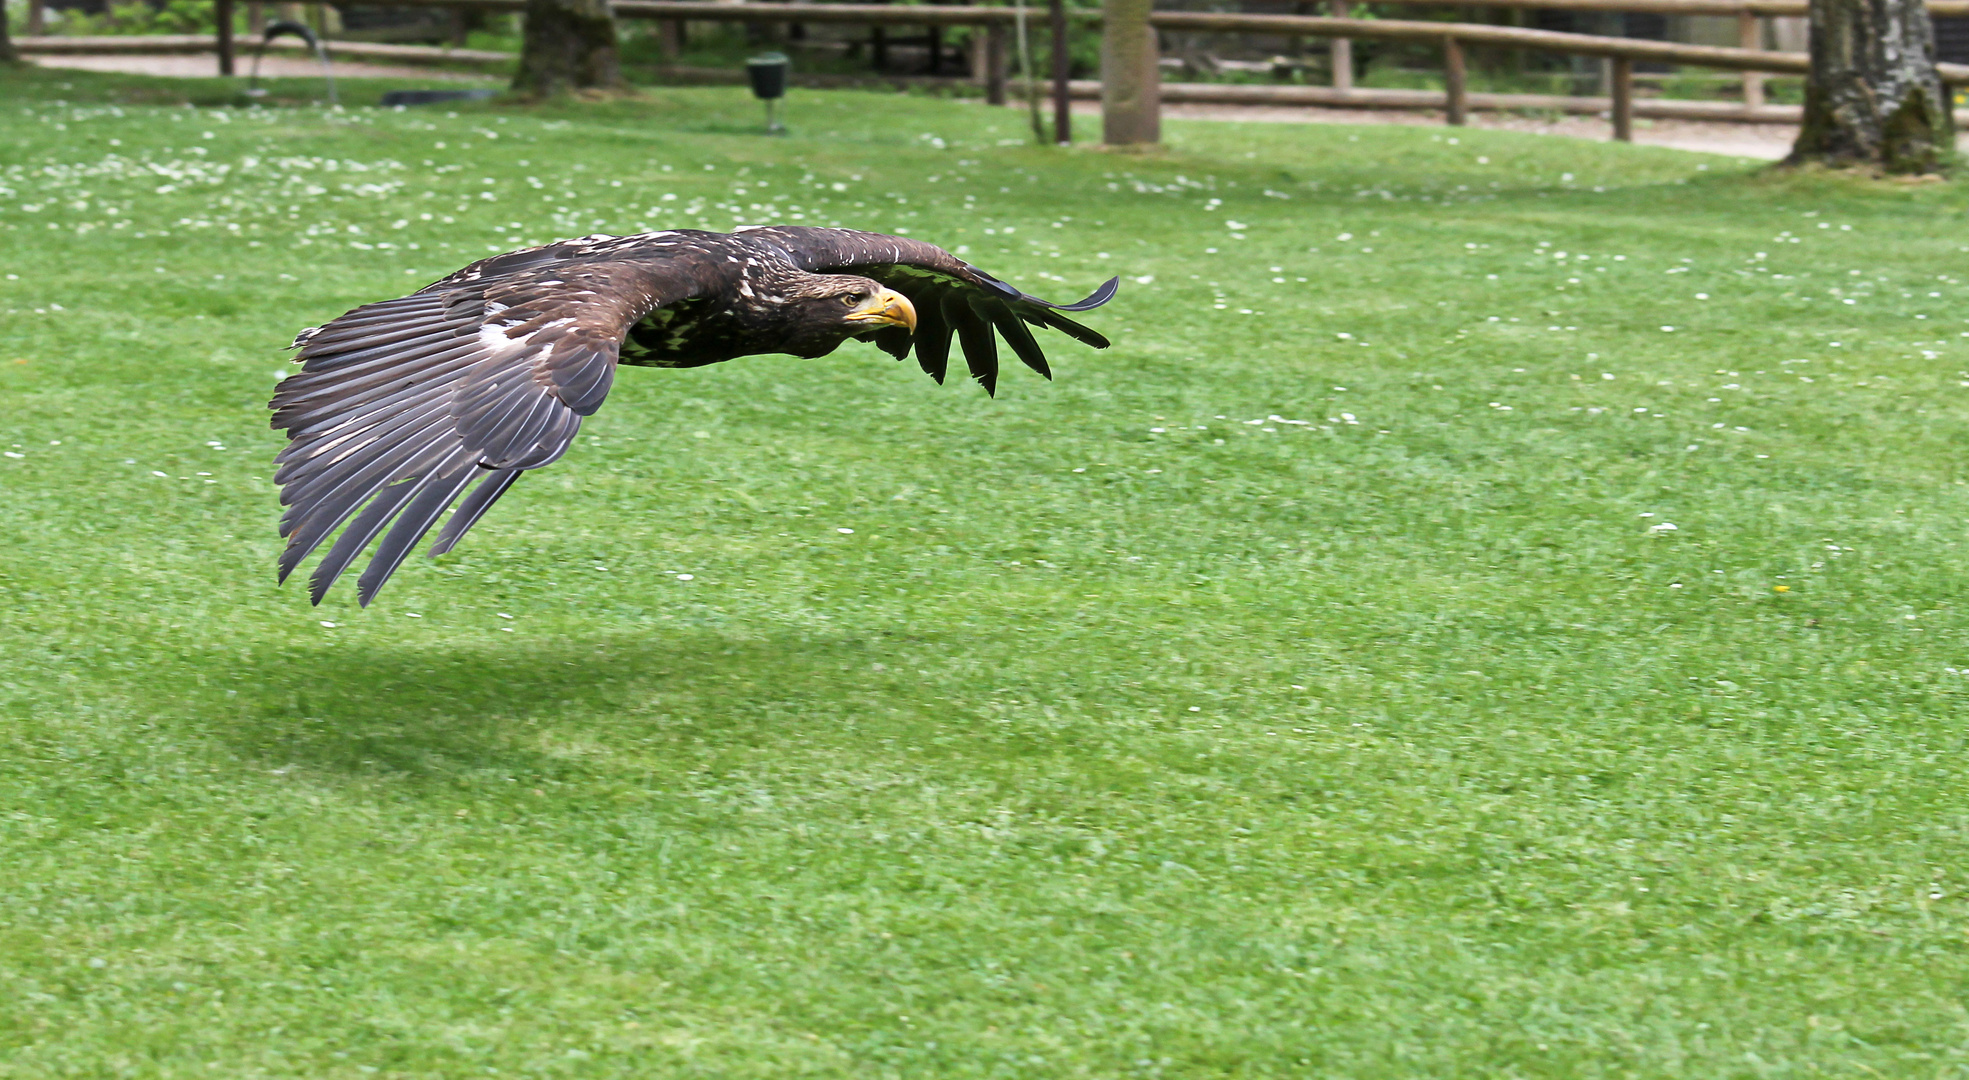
(449, 711)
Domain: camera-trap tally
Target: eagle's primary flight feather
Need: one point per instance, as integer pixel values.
(401, 405)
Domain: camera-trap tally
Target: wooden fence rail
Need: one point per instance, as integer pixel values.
(1667, 52)
(1765, 8)
(925, 15)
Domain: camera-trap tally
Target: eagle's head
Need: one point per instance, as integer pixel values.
(820, 311)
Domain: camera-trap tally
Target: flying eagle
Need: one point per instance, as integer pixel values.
(402, 404)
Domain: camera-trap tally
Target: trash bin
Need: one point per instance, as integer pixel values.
(767, 73)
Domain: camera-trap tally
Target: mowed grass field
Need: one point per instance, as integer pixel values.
(1497, 611)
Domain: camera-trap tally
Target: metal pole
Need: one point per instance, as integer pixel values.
(1623, 99)
(1062, 69)
(1458, 103)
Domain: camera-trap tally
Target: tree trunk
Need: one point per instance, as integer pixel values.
(7, 53)
(1062, 74)
(1131, 75)
(569, 45)
(1872, 98)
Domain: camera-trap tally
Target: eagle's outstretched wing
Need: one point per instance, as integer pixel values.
(951, 297)
(403, 404)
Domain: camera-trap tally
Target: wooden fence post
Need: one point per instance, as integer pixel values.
(37, 17)
(222, 15)
(995, 64)
(1623, 99)
(1062, 74)
(1750, 35)
(670, 38)
(1454, 83)
(1340, 53)
(256, 18)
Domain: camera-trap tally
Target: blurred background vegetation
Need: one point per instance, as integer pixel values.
(949, 58)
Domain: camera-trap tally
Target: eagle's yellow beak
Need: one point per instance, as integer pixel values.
(888, 308)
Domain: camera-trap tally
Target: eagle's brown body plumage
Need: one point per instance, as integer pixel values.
(401, 405)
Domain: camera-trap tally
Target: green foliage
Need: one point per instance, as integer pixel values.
(1308, 686)
(140, 17)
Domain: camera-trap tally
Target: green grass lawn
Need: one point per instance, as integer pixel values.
(1310, 686)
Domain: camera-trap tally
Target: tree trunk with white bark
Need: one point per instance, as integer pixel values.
(1873, 98)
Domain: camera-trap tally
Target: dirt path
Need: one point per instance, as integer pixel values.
(273, 66)
(1767, 142)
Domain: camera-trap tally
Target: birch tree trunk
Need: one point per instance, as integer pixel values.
(569, 45)
(1872, 98)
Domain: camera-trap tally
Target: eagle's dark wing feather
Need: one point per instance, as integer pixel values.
(402, 404)
(952, 297)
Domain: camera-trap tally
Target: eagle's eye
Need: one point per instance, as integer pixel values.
(854, 298)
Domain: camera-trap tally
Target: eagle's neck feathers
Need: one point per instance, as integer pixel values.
(751, 305)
